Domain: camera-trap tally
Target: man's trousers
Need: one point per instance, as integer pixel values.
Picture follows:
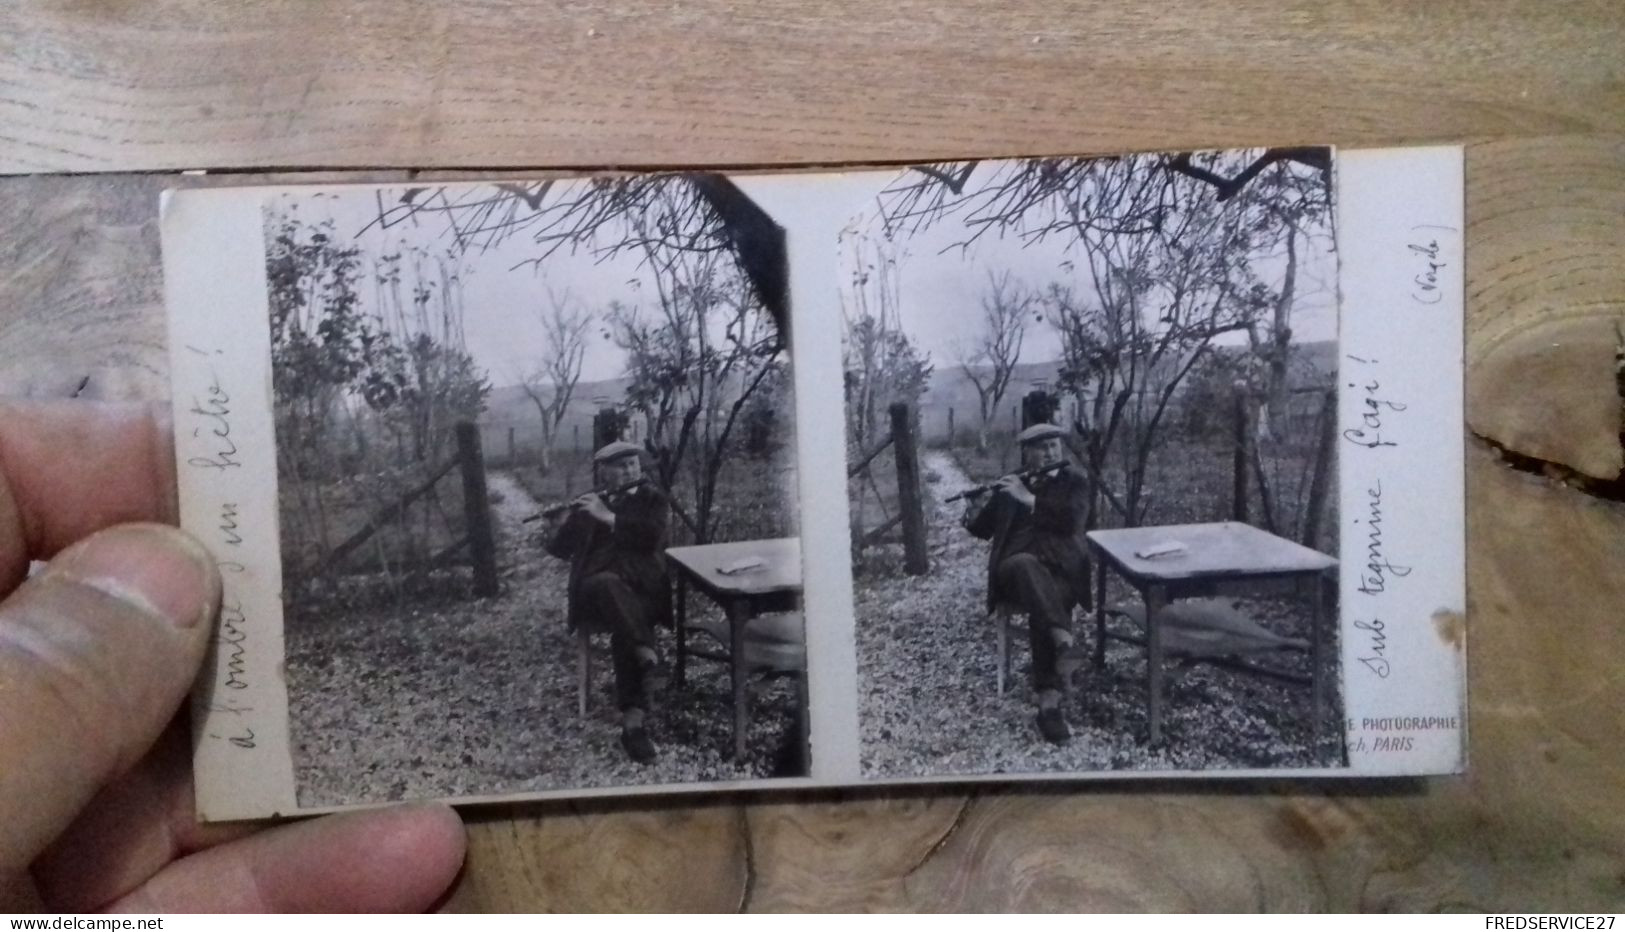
(611, 605)
(1036, 590)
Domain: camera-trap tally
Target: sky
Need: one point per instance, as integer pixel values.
(941, 285)
(502, 303)
(940, 289)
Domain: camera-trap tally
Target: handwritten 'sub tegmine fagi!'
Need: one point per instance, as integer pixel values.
(1146, 466)
(1404, 589)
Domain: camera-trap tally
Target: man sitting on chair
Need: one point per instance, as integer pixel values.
(1037, 564)
(615, 541)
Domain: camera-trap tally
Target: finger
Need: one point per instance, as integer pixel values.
(133, 827)
(69, 468)
(386, 860)
(96, 653)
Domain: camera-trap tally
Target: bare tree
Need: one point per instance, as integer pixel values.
(1171, 248)
(699, 212)
(1026, 196)
(552, 383)
(715, 331)
(1274, 347)
(393, 366)
(1289, 210)
(697, 355)
(1156, 299)
(881, 363)
(419, 375)
(992, 359)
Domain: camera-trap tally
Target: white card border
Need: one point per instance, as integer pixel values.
(216, 294)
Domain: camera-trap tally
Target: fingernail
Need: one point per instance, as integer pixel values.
(157, 568)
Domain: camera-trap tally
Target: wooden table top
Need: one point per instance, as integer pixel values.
(780, 570)
(1219, 549)
(104, 104)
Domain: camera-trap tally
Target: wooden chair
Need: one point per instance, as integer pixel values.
(1008, 620)
(583, 670)
(584, 652)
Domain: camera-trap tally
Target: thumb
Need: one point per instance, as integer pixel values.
(96, 654)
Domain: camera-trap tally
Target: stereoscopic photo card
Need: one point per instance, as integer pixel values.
(1050, 469)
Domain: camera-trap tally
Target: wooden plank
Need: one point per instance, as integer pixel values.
(81, 285)
(869, 457)
(381, 519)
(873, 535)
(605, 856)
(1546, 260)
(856, 850)
(189, 84)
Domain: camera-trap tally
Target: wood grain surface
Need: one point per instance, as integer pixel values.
(155, 84)
(1534, 825)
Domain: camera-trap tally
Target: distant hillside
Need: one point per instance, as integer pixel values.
(951, 388)
(509, 407)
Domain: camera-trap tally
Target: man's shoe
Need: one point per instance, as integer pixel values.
(1052, 725)
(637, 744)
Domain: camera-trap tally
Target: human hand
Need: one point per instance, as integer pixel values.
(97, 652)
(593, 504)
(1013, 486)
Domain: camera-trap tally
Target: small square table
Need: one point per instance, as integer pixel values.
(1218, 558)
(773, 587)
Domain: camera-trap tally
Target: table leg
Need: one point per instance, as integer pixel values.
(804, 723)
(682, 628)
(738, 615)
(1319, 592)
(1100, 614)
(1154, 598)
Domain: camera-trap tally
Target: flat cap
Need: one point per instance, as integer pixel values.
(614, 451)
(1039, 432)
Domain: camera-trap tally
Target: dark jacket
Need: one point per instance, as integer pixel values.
(634, 549)
(1052, 531)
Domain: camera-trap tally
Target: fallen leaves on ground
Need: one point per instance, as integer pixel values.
(443, 696)
(929, 703)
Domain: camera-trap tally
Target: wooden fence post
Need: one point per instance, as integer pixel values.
(1239, 461)
(950, 428)
(1323, 468)
(607, 427)
(909, 501)
(510, 447)
(482, 544)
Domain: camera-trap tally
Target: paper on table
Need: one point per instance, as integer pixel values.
(742, 565)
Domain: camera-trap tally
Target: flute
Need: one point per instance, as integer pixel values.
(1024, 475)
(553, 511)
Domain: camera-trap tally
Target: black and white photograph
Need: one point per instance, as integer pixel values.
(536, 485)
(516, 487)
(1091, 416)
